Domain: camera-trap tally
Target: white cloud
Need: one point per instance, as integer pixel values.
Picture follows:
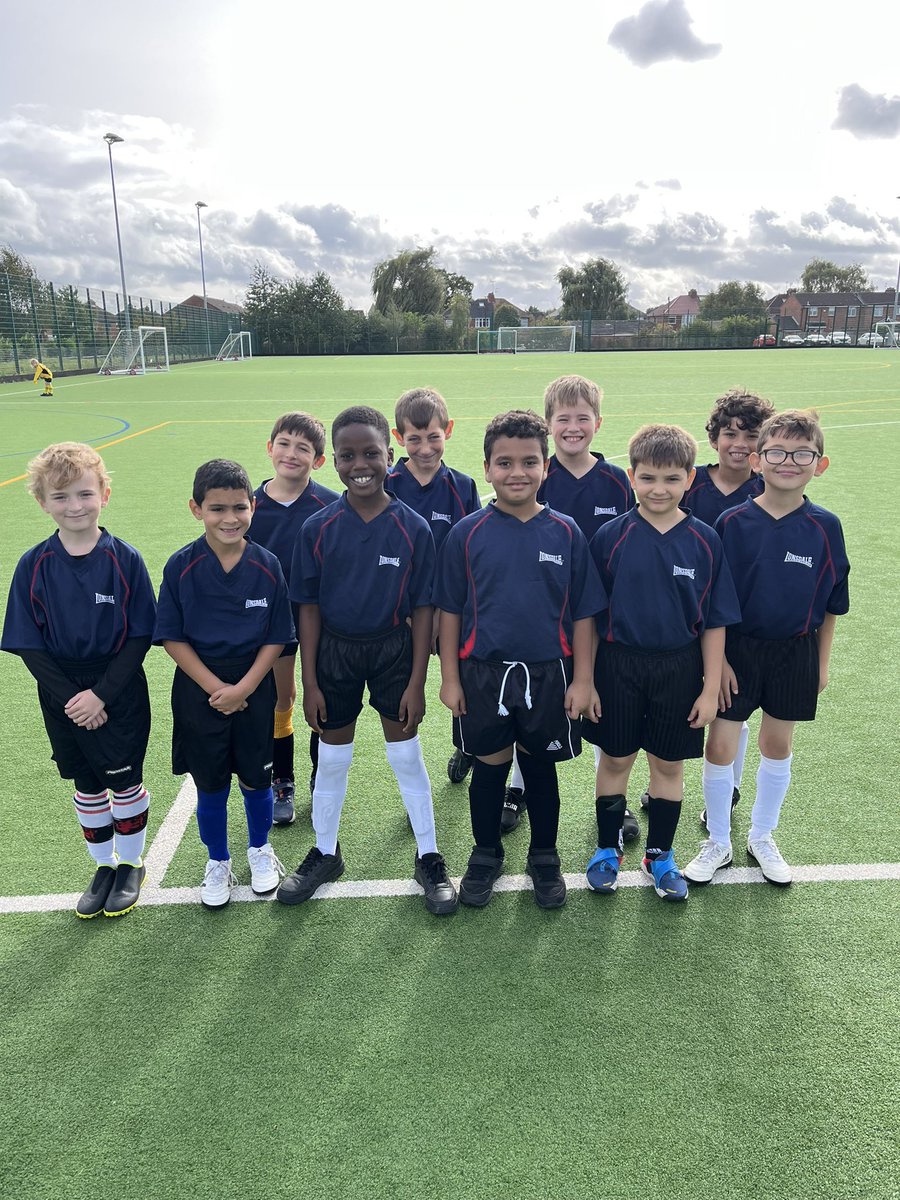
(659, 32)
(867, 115)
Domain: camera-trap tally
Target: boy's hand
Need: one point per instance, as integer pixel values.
(85, 708)
(728, 688)
(578, 700)
(453, 697)
(98, 721)
(412, 708)
(823, 677)
(228, 699)
(314, 707)
(593, 712)
(704, 712)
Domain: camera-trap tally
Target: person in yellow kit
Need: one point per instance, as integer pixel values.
(44, 373)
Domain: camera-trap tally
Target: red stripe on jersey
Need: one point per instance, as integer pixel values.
(317, 553)
(826, 566)
(265, 570)
(192, 564)
(124, 637)
(563, 640)
(706, 546)
(31, 594)
(466, 648)
(609, 626)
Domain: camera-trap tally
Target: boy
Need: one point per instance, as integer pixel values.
(283, 503)
(733, 428)
(224, 617)
(362, 574)
(581, 483)
(517, 591)
(435, 491)
(80, 616)
(659, 657)
(45, 374)
(790, 567)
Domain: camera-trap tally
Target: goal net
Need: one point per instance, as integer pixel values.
(889, 334)
(236, 347)
(545, 339)
(486, 341)
(137, 351)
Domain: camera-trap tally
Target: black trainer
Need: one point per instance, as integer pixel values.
(440, 894)
(459, 766)
(630, 827)
(549, 885)
(126, 890)
(735, 797)
(283, 808)
(91, 902)
(514, 808)
(317, 868)
(477, 885)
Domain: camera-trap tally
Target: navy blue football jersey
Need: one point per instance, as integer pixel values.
(446, 499)
(707, 503)
(789, 572)
(597, 497)
(664, 589)
(276, 525)
(79, 608)
(519, 586)
(365, 576)
(223, 614)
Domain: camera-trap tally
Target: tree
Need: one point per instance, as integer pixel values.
(411, 282)
(597, 285)
(821, 275)
(459, 321)
(733, 299)
(455, 285)
(506, 317)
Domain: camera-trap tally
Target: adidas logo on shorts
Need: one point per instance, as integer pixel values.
(555, 745)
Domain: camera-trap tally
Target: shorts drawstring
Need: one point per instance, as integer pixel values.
(502, 710)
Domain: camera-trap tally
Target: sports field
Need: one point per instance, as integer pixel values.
(741, 1045)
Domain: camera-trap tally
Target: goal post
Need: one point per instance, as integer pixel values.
(236, 347)
(137, 351)
(537, 339)
(486, 341)
(889, 332)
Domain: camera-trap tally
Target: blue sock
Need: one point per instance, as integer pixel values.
(258, 806)
(212, 822)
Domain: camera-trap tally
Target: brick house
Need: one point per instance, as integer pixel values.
(829, 312)
(681, 311)
(481, 311)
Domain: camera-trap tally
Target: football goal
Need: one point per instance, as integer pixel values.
(544, 339)
(889, 333)
(137, 351)
(486, 341)
(236, 347)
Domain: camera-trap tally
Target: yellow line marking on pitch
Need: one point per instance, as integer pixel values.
(105, 446)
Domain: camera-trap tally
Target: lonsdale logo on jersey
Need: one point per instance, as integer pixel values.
(99, 598)
(606, 512)
(263, 603)
(689, 571)
(554, 558)
(384, 561)
(805, 561)
(441, 517)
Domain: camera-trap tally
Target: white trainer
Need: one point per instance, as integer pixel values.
(265, 869)
(768, 856)
(712, 857)
(218, 880)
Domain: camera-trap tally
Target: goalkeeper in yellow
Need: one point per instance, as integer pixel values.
(44, 373)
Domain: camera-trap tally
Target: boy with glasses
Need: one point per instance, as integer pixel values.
(790, 568)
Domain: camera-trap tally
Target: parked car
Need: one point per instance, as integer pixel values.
(764, 339)
(817, 339)
(793, 339)
(839, 338)
(870, 339)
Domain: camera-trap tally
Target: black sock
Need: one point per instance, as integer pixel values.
(542, 790)
(486, 790)
(314, 750)
(283, 757)
(663, 821)
(610, 815)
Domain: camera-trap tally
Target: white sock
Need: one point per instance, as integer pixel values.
(596, 758)
(741, 754)
(408, 765)
(772, 782)
(717, 787)
(95, 817)
(130, 812)
(515, 779)
(329, 793)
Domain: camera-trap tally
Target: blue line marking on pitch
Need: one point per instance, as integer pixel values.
(123, 425)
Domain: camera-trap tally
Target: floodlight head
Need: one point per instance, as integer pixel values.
(200, 204)
(112, 138)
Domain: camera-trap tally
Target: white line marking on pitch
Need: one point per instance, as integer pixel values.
(169, 835)
(368, 889)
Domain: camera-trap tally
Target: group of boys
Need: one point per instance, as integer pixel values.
(581, 601)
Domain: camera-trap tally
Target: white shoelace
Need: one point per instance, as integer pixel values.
(764, 849)
(502, 710)
(264, 858)
(218, 874)
(712, 851)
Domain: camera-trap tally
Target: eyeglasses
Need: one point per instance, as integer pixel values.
(802, 458)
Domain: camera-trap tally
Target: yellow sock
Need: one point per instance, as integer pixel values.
(284, 722)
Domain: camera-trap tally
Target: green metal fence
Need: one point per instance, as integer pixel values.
(72, 329)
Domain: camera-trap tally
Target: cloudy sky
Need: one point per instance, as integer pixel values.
(692, 141)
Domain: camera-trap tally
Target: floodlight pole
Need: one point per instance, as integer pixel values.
(897, 288)
(111, 139)
(198, 204)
